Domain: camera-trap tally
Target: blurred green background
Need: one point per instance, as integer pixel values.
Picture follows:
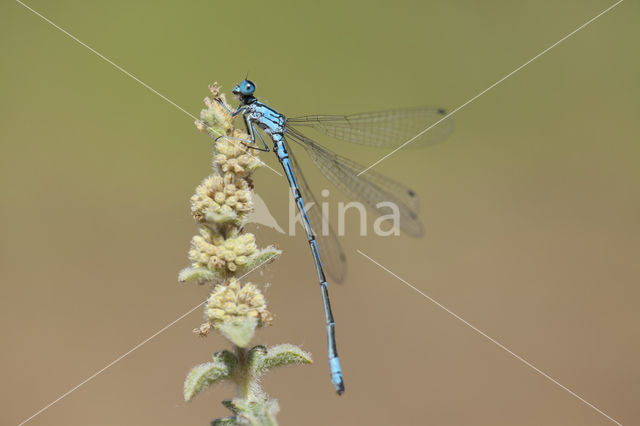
(531, 209)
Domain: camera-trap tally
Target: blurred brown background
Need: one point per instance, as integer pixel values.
(531, 210)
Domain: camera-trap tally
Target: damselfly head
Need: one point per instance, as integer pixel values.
(246, 88)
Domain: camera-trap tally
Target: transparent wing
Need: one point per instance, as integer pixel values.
(384, 128)
(331, 254)
(370, 188)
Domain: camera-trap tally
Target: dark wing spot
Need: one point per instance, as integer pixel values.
(412, 215)
(442, 111)
(411, 193)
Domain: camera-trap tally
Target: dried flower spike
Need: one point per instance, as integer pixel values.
(221, 254)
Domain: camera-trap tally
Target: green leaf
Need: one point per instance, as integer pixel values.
(258, 412)
(261, 361)
(199, 274)
(239, 331)
(263, 257)
(225, 421)
(254, 357)
(230, 405)
(221, 217)
(204, 375)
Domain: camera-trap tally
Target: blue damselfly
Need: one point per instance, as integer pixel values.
(386, 129)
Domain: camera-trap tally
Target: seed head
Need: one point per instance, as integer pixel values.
(231, 302)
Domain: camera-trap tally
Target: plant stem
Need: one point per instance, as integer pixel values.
(243, 376)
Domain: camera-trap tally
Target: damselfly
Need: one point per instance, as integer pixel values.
(381, 129)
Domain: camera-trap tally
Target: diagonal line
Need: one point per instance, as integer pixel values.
(127, 73)
(492, 86)
(500, 345)
(88, 379)
(118, 67)
(115, 361)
